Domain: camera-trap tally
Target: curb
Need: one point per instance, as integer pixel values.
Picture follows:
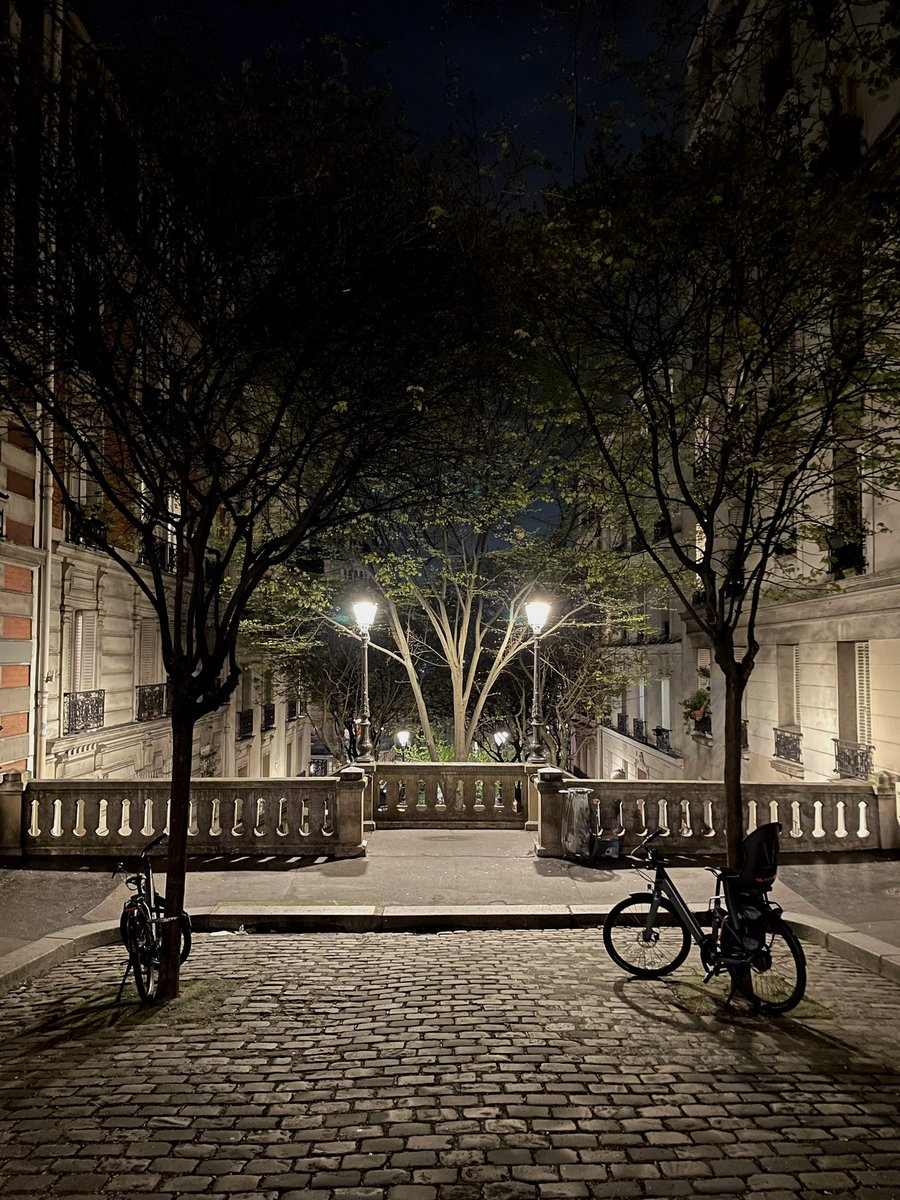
(28, 962)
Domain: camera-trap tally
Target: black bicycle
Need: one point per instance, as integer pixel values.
(141, 923)
(649, 934)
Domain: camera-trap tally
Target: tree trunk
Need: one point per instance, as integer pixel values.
(183, 721)
(734, 810)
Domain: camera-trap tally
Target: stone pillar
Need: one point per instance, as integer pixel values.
(12, 818)
(532, 800)
(887, 799)
(550, 810)
(352, 783)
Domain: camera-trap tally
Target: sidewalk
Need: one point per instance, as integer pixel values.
(411, 879)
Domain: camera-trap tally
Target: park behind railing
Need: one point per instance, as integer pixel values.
(304, 816)
(816, 817)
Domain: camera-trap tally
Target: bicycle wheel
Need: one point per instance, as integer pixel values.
(185, 925)
(142, 950)
(775, 980)
(643, 947)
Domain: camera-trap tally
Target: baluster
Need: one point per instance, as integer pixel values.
(92, 816)
(469, 799)
(237, 829)
(796, 826)
(396, 801)
(684, 823)
(193, 827)
(662, 814)
(215, 822)
(863, 830)
(819, 825)
(281, 829)
(56, 827)
(327, 827)
(773, 810)
(34, 827)
(147, 827)
(125, 819)
(641, 814)
(102, 822)
(168, 814)
(751, 815)
(499, 805)
(304, 818)
(79, 828)
(709, 817)
(841, 815)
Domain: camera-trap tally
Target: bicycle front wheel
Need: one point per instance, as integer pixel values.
(775, 980)
(142, 951)
(644, 941)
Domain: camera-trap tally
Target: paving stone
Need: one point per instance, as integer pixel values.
(492, 1068)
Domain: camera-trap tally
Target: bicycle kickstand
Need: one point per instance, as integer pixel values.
(122, 984)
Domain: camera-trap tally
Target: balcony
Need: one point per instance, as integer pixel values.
(268, 717)
(88, 530)
(853, 760)
(663, 739)
(622, 723)
(151, 702)
(164, 553)
(787, 745)
(291, 713)
(703, 726)
(245, 725)
(83, 711)
(639, 730)
(606, 721)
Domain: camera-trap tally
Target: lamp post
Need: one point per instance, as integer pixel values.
(364, 613)
(402, 738)
(501, 737)
(536, 612)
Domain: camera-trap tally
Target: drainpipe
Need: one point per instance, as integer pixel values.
(56, 17)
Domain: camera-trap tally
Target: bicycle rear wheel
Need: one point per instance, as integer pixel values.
(775, 980)
(646, 946)
(142, 951)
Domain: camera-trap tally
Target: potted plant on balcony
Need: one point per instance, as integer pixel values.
(696, 706)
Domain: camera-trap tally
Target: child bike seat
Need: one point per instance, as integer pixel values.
(760, 860)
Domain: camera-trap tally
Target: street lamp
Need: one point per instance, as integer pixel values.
(501, 737)
(364, 613)
(402, 737)
(536, 611)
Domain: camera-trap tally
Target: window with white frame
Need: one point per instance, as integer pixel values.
(83, 651)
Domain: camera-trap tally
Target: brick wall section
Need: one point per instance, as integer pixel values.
(16, 582)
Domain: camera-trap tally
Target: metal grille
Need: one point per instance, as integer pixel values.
(787, 745)
(853, 760)
(83, 710)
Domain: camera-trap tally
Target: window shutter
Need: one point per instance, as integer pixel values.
(147, 664)
(795, 680)
(863, 701)
(665, 702)
(84, 651)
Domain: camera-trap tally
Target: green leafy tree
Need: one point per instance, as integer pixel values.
(721, 312)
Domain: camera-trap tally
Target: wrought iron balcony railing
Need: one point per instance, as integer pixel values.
(704, 725)
(165, 553)
(152, 701)
(606, 722)
(245, 724)
(639, 730)
(268, 717)
(83, 711)
(787, 745)
(87, 530)
(291, 714)
(853, 760)
(622, 723)
(663, 739)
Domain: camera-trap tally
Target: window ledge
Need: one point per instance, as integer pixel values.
(784, 767)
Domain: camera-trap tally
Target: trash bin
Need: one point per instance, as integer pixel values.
(581, 828)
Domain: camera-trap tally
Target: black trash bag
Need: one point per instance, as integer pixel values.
(580, 829)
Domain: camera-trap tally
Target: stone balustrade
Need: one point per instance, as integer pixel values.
(423, 795)
(227, 816)
(816, 817)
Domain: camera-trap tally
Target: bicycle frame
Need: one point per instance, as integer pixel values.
(663, 885)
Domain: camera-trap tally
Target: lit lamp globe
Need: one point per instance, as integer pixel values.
(536, 612)
(364, 614)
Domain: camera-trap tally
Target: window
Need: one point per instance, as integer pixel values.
(863, 697)
(854, 693)
(788, 669)
(148, 652)
(83, 652)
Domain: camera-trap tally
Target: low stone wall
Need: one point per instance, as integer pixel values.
(228, 816)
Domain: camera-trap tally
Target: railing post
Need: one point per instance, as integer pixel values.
(888, 802)
(550, 812)
(351, 785)
(12, 821)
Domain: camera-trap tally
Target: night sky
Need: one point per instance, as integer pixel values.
(508, 61)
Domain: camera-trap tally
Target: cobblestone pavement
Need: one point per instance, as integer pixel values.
(448, 1066)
